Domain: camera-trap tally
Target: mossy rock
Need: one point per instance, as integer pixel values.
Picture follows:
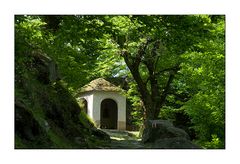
(162, 134)
(46, 114)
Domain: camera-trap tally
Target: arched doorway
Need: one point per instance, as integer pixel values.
(83, 105)
(109, 114)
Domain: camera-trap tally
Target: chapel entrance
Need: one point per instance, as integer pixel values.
(109, 114)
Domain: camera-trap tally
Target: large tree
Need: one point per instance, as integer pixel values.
(163, 58)
(151, 47)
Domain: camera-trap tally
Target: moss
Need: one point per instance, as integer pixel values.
(86, 120)
(18, 142)
(100, 84)
(47, 116)
(58, 140)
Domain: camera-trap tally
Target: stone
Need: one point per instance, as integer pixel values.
(160, 129)
(174, 143)
(100, 134)
(47, 68)
(25, 124)
(162, 134)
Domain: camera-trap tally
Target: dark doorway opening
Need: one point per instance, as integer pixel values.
(109, 114)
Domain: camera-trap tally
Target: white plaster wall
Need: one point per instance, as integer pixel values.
(95, 98)
(89, 99)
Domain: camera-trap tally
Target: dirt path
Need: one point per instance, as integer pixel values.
(124, 139)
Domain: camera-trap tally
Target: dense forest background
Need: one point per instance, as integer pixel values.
(172, 67)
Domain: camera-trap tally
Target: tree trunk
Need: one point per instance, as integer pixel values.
(153, 99)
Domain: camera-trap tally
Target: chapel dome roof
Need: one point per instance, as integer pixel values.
(100, 84)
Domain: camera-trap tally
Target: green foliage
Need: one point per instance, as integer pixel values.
(203, 73)
(76, 48)
(136, 109)
(168, 113)
(88, 47)
(109, 63)
(47, 116)
(215, 143)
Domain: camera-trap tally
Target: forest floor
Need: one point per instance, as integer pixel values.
(124, 139)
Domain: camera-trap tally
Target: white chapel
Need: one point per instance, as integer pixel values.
(105, 103)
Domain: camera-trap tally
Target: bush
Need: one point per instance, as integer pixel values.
(215, 143)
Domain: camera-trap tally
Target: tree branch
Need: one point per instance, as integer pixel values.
(166, 90)
(174, 68)
(142, 51)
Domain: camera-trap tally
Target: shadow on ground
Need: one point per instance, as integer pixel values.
(124, 139)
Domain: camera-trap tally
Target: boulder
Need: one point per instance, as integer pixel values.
(162, 134)
(174, 143)
(160, 129)
(46, 68)
(100, 134)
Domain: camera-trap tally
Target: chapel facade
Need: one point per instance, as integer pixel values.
(105, 103)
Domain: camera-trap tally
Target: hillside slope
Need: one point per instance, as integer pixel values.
(46, 114)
